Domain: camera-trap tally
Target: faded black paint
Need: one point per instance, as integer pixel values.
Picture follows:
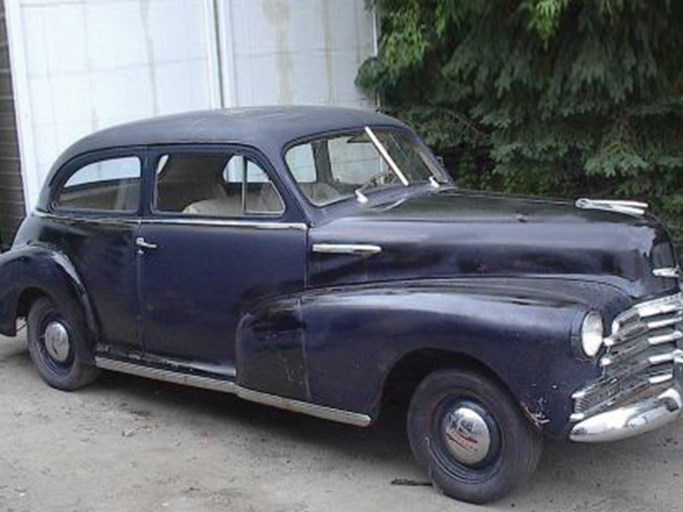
(503, 280)
(450, 233)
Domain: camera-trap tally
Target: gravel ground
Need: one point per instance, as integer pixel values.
(127, 443)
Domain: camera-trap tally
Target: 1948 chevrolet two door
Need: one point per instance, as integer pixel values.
(317, 259)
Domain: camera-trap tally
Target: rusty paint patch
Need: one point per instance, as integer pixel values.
(537, 417)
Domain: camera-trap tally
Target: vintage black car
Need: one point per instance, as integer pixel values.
(321, 259)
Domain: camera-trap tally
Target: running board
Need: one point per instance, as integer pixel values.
(185, 379)
(197, 381)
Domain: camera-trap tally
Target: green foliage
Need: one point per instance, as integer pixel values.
(553, 97)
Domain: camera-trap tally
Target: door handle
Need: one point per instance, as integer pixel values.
(141, 243)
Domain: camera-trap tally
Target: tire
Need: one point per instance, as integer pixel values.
(470, 437)
(62, 328)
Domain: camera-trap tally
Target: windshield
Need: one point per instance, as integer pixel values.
(337, 167)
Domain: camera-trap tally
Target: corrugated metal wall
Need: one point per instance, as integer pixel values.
(83, 65)
(295, 51)
(12, 208)
(90, 64)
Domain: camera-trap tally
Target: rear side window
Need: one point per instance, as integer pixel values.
(106, 185)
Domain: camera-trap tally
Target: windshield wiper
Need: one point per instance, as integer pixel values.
(395, 169)
(387, 157)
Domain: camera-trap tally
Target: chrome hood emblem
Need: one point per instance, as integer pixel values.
(613, 205)
(671, 272)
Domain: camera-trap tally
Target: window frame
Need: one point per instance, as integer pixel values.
(156, 152)
(307, 139)
(80, 162)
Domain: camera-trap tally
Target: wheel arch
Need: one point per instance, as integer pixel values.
(26, 299)
(408, 371)
(414, 366)
(37, 271)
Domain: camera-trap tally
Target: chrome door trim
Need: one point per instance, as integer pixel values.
(230, 223)
(319, 411)
(346, 248)
(270, 225)
(127, 219)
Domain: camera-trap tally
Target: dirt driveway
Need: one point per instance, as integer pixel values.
(127, 443)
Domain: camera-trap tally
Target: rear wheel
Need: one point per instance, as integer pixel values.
(470, 437)
(53, 333)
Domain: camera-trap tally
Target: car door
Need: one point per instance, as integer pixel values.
(96, 211)
(218, 239)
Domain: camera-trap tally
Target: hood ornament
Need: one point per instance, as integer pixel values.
(613, 205)
(670, 272)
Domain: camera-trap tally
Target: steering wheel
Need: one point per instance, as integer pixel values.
(374, 178)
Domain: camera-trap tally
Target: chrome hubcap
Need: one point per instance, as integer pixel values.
(57, 341)
(466, 435)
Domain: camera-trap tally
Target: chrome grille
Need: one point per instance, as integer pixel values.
(645, 344)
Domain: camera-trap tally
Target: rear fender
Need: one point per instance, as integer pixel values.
(47, 271)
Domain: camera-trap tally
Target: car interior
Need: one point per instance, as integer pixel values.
(215, 185)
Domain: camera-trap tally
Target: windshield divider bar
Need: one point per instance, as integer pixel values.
(387, 157)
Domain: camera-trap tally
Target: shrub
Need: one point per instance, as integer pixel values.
(553, 97)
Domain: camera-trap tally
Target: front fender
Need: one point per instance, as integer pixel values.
(523, 333)
(40, 268)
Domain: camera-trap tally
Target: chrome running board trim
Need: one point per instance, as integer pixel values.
(319, 411)
(184, 379)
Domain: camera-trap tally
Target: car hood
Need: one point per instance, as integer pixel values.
(453, 233)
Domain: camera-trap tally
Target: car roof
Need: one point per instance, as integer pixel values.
(255, 126)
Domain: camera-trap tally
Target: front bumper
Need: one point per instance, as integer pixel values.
(630, 420)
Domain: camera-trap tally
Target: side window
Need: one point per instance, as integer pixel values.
(106, 185)
(302, 163)
(215, 185)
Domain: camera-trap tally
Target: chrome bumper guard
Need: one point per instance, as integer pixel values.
(630, 420)
(641, 384)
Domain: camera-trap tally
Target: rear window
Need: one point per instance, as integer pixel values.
(106, 185)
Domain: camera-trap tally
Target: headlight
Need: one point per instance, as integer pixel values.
(592, 332)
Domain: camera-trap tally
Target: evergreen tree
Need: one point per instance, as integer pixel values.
(553, 97)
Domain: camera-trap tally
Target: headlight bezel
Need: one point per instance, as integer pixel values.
(592, 334)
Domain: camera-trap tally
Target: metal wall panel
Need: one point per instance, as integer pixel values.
(90, 64)
(83, 65)
(12, 207)
(295, 51)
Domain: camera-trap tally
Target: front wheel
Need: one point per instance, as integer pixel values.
(53, 334)
(470, 437)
